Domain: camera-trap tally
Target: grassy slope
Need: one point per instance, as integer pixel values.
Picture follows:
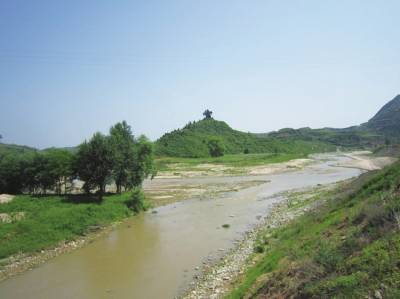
(49, 220)
(355, 137)
(347, 248)
(191, 141)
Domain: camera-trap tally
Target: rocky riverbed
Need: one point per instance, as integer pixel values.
(217, 280)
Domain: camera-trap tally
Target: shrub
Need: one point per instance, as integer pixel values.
(216, 147)
(328, 256)
(137, 201)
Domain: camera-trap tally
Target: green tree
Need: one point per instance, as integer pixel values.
(207, 114)
(94, 163)
(123, 143)
(216, 147)
(12, 180)
(60, 164)
(143, 165)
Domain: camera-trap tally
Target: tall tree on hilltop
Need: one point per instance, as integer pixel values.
(207, 114)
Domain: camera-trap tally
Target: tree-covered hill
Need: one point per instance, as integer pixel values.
(192, 141)
(15, 149)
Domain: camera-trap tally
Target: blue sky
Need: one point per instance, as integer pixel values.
(70, 68)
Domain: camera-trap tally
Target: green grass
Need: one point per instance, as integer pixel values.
(239, 160)
(347, 248)
(51, 219)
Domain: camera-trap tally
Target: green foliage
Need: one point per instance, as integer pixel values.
(94, 163)
(350, 138)
(51, 219)
(123, 146)
(216, 147)
(103, 159)
(347, 248)
(34, 171)
(143, 165)
(137, 201)
(207, 114)
(192, 141)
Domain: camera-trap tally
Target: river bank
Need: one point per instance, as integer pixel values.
(157, 196)
(217, 280)
(234, 200)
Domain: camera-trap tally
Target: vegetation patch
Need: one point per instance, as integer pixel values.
(50, 219)
(210, 137)
(347, 248)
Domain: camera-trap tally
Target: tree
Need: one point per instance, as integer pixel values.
(11, 174)
(123, 143)
(143, 165)
(60, 164)
(207, 114)
(216, 147)
(94, 163)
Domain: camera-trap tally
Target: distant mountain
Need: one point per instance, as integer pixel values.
(23, 149)
(387, 120)
(15, 149)
(191, 141)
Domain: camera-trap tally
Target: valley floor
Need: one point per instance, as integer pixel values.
(60, 220)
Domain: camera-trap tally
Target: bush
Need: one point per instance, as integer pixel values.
(216, 147)
(328, 256)
(137, 200)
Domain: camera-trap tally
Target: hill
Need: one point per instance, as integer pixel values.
(349, 138)
(382, 128)
(191, 141)
(387, 120)
(15, 149)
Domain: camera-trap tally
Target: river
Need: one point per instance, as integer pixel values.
(155, 255)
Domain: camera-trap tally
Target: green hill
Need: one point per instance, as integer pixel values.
(191, 141)
(382, 128)
(15, 149)
(354, 137)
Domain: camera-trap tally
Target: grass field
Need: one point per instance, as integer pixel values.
(347, 248)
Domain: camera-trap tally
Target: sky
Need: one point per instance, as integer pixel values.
(71, 68)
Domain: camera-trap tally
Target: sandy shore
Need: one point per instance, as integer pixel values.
(364, 161)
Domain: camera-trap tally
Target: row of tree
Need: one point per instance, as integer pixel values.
(117, 158)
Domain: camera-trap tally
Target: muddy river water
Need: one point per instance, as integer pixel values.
(155, 255)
